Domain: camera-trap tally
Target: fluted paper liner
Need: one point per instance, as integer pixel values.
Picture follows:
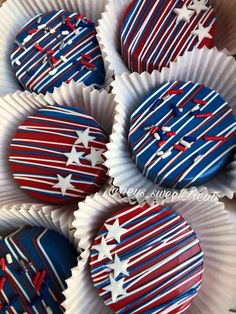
(14, 14)
(214, 228)
(13, 216)
(14, 108)
(205, 66)
(109, 27)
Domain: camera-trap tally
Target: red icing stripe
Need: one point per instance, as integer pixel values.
(38, 47)
(3, 263)
(180, 148)
(199, 101)
(161, 143)
(172, 133)
(68, 23)
(154, 130)
(214, 138)
(53, 59)
(40, 280)
(2, 281)
(174, 91)
(32, 31)
(87, 64)
(36, 278)
(50, 52)
(203, 115)
(87, 57)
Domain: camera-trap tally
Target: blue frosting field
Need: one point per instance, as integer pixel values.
(33, 67)
(52, 253)
(204, 157)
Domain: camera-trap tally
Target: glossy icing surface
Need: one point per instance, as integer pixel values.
(155, 32)
(146, 260)
(56, 155)
(56, 47)
(35, 262)
(182, 135)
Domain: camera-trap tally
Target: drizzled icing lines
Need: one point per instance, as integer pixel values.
(57, 47)
(182, 135)
(156, 32)
(135, 261)
(56, 155)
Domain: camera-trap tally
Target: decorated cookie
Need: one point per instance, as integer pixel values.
(182, 135)
(57, 47)
(34, 264)
(57, 155)
(155, 32)
(146, 260)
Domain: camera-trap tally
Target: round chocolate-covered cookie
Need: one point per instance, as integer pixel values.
(155, 32)
(146, 260)
(57, 47)
(182, 135)
(56, 155)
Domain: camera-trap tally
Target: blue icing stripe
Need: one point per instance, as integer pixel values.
(188, 119)
(71, 41)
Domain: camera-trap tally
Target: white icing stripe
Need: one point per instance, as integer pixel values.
(163, 118)
(175, 47)
(182, 126)
(212, 163)
(47, 68)
(146, 114)
(194, 153)
(39, 41)
(35, 56)
(203, 156)
(125, 247)
(151, 37)
(48, 259)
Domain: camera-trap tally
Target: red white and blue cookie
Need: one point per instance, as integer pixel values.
(57, 47)
(56, 155)
(146, 260)
(182, 135)
(34, 265)
(155, 32)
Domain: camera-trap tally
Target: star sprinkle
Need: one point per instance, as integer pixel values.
(115, 288)
(198, 6)
(95, 157)
(115, 231)
(104, 250)
(119, 267)
(84, 137)
(202, 32)
(184, 14)
(64, 184)
(73, 156)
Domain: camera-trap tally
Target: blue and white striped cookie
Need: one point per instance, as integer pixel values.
(182, 135)
(57, 47)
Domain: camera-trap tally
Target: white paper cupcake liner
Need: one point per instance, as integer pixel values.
(14, 108)
(12, 216)
(109, 25)
(15, 14)
(214, 228)
(209, 67)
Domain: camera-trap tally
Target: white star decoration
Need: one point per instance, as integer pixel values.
(202, 32)
(119, 267)
(115, 288)
(73, 156)
(64, 184)
(115, 231)
(84, 137)
(104, 250)
(95, 156)
(184, 14)
(198, 6)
